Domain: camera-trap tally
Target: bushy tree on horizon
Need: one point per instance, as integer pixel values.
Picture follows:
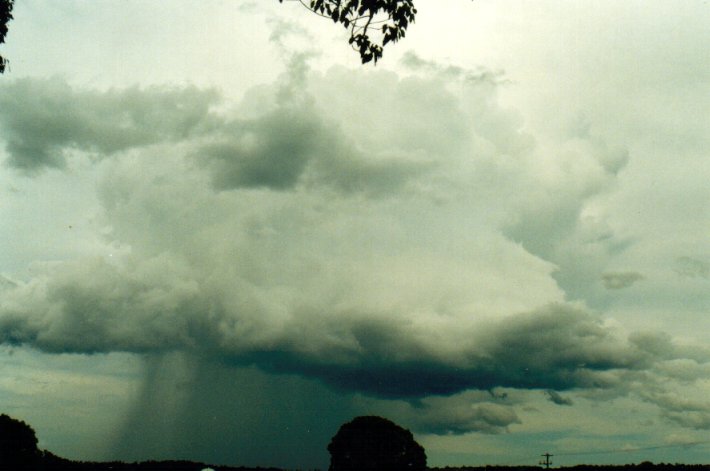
(371, 443)
(18, 445)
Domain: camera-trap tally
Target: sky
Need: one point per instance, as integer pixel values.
(223, 237)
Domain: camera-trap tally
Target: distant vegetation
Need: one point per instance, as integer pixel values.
(372, 443)
(364, 444)
(645, 466)
(54, 463)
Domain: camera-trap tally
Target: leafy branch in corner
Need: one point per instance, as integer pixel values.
(372, 23)
(5, 17)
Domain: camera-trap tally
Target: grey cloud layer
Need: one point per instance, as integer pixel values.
(689, 413)
(452, 415)
(288, 143)
(396, 245)
(291, 146)
(42, 119)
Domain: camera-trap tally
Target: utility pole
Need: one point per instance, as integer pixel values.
(546, 463)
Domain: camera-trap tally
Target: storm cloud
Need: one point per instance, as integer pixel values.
(375, 252)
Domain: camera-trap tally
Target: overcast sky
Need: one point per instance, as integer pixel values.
(222, 237)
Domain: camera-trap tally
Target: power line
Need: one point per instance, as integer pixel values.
(526, 460)
(632, 450)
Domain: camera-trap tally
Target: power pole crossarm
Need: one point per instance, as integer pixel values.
(547, 462)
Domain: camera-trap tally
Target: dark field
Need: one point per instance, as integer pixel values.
(54, 463)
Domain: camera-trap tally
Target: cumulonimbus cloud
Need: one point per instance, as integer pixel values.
(382, 246)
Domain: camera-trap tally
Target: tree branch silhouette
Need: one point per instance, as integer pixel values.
(372, 23)
(5, 17)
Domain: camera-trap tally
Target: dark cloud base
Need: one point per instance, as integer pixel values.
(559, 348)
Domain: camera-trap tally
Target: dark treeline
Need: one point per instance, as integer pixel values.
(51, 462)
(644, 466)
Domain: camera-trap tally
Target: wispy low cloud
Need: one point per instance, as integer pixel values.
(557, 398)
(620, 280)
(462, 414)
(690, 413)
(690, 267)
(457, 414)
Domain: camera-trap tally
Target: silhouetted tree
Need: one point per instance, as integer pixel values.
(373, 443)
(387, 19)
(18, 445)
(5, 17)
